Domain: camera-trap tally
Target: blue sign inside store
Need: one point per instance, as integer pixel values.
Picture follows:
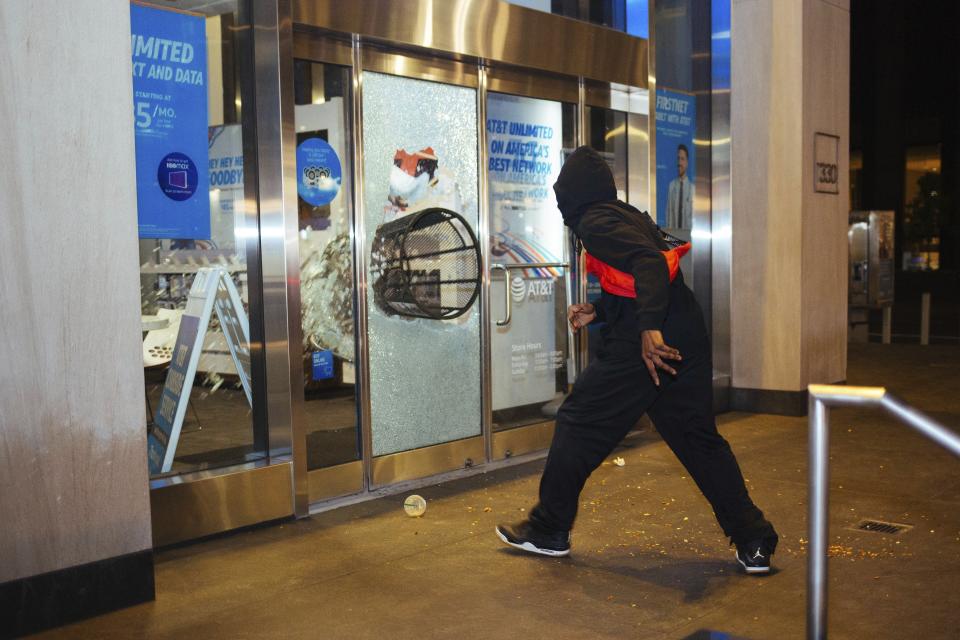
(170, 114)
(322, 365)
(318, 172)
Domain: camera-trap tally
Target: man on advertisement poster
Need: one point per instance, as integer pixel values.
(680, 194)
(638, 370)
(676, 168)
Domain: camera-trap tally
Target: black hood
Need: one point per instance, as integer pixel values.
(584, 180)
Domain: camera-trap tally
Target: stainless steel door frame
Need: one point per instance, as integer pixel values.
(358, 229)
(208, 502)
(720, 207)
(276, 166)
(531, 84)
(488, 30)
(483, 191)
(581, 289)
(496, 47)
(347, 478)
(205, 503)
(430, 66)
(386, 470)
(563, 89)
(319, 46)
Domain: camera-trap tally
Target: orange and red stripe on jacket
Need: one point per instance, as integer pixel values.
(622, 284)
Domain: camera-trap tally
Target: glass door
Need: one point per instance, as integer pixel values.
(322, 116)
(527, 139)
(420, 153)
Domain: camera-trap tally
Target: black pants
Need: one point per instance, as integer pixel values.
(612, 393)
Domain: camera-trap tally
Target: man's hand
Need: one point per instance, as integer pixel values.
(580, 315)
(655, 351)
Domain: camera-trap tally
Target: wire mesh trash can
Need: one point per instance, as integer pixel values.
(425, 265)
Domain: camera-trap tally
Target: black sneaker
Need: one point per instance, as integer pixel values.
(755, 557)
(524, 535)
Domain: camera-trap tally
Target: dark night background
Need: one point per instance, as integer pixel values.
(905, 93)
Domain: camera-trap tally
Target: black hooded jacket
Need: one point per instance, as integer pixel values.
(621, 236)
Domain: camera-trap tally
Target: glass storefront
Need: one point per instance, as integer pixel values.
(284, 255)
(198, 237)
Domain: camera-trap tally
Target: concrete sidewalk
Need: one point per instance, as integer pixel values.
(648, 559)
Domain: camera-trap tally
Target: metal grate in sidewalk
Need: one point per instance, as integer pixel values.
(879, 526)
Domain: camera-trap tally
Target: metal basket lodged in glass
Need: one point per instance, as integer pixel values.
(426, 265)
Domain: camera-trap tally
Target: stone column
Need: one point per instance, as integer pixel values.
(74, 489)
(790, 80)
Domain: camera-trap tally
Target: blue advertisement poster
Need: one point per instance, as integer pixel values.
(318, 172)
(676, 121)
(170, 114)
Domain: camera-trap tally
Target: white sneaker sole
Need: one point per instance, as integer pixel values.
(751, 569)
(529, 547)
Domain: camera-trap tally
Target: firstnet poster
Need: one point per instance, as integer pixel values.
(676, 122)
(525, 150)
(170, 117)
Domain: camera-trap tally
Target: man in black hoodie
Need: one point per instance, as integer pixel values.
(654, 357)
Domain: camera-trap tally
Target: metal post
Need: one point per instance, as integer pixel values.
(887, 322)
(821, 398)
(925, 319)
(819, 510)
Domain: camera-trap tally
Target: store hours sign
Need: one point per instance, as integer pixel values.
(170, 117)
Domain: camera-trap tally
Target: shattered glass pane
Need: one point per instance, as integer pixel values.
(420, 151)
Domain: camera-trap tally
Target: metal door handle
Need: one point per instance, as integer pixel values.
(506, 282)
(506, 290)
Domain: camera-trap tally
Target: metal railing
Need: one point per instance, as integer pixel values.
(822, 397)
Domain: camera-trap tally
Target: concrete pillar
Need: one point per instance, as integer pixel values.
(790, 80)
(74, 489)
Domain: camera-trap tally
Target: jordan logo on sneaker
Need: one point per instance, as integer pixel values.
(757, 555)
